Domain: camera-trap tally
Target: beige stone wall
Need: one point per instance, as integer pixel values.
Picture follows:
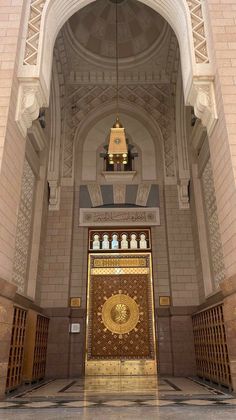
(184, 285)
(40, 271)
(160, 256)
(12, 145)
(66, 252)
(57, 258)
(198, 262)
(79, 265)
(221, 26)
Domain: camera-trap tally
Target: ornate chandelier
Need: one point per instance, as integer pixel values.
(117, 148)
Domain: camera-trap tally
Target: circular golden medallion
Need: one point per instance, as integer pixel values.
(120, 314)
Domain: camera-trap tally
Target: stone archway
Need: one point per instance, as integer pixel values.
(46, 18)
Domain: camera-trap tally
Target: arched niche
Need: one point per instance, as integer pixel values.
(92, 134)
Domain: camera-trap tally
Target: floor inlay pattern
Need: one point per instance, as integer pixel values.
(116, 392)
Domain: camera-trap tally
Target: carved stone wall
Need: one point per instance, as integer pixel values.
(218, 267)
(24, 225)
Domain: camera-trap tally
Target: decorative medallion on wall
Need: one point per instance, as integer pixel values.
(120, 314)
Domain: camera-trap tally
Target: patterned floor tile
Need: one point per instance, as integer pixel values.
(158, 403)
(230, 401)
(40, 404)
(6, 404)
(79, 404)
(119, 403)
(198, 402)
(133, 392)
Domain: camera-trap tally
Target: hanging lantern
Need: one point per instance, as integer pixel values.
(117, 148)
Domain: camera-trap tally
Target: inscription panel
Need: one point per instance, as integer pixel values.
(119, 217)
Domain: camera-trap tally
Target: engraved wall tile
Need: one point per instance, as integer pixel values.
(213, 224)
(23, 231)
(119, 193)
(95, 194)
(143, 193)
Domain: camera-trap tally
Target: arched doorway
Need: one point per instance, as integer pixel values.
(147, 92)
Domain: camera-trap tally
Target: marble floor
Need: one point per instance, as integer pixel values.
(120, 397)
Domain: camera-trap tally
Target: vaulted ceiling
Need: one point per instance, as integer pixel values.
(146, 42)
(139, 28)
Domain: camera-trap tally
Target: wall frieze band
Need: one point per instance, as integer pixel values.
(109, 77)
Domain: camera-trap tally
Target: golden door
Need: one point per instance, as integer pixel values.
(120, 315)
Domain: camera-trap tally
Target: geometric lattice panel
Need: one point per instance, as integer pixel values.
(217, 258)
(40, 350)
(16, 354)
(210, 346)
(23, 230)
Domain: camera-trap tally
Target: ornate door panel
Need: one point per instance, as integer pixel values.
(120, 318)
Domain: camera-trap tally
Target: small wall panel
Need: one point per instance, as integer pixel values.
(210, 346)
(16, 355)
